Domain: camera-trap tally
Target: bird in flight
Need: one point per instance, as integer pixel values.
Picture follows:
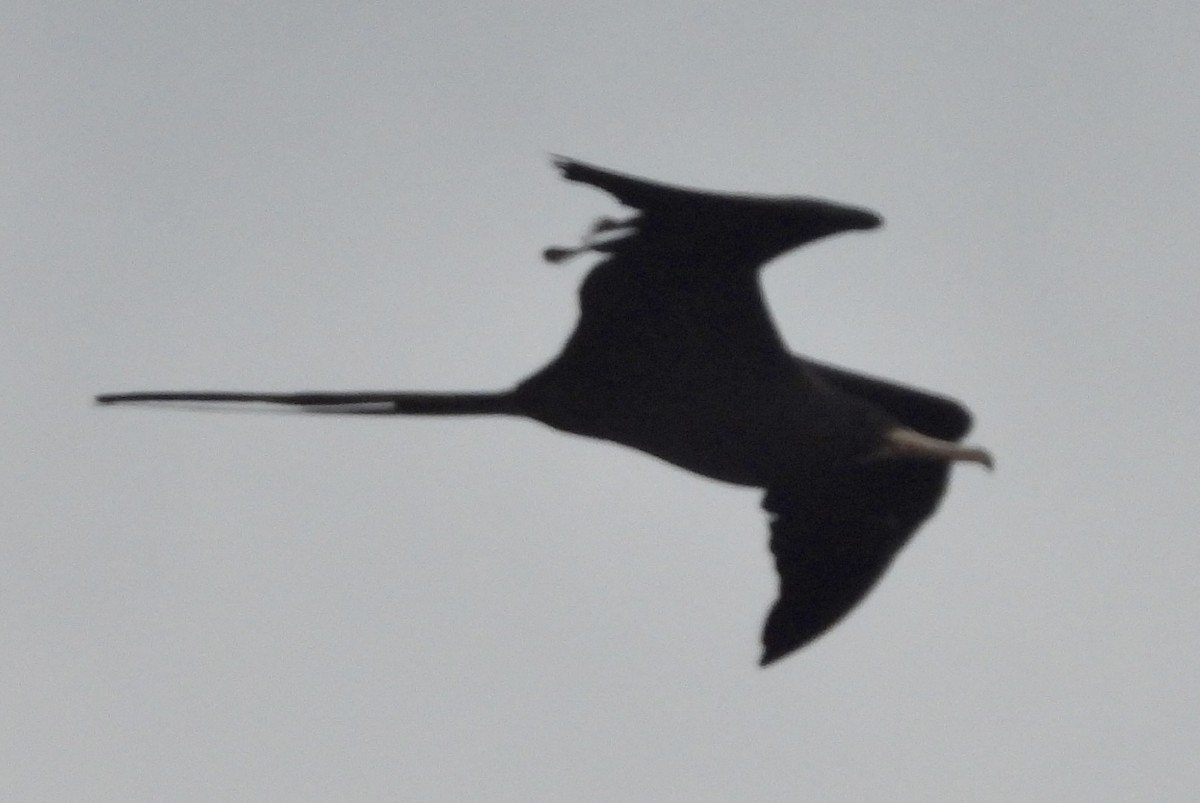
(675, 354)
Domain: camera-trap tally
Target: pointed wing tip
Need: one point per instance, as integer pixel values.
(776, 646)
(562, 163)
(770, 656)
(575, 170)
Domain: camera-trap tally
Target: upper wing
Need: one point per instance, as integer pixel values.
(927, 413)
(724, 230)
(680, 281)
(638, 193)
(832, 544)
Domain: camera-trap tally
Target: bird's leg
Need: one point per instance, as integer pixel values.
(904, 443)
(593, 239)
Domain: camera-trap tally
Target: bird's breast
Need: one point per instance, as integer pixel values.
(743, 423)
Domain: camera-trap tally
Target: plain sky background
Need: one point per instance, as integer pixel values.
(284, 196)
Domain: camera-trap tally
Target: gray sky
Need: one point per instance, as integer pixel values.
(286, 196)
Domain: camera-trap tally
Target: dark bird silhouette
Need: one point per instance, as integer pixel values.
(675, 354)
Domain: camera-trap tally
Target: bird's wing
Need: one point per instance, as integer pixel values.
(635, 192)
(672, 224)
(677, 281)
(927, 413)
(729, 230)
(684, 268)
(833, 543)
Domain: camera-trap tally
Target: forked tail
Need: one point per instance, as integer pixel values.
(372, 402)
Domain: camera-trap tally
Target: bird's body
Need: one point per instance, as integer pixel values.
(742, 421)
(668, 386)
(675, 354)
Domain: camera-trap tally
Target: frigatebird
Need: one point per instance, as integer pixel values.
(676, 354)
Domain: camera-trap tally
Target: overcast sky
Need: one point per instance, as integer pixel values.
(241, 606)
